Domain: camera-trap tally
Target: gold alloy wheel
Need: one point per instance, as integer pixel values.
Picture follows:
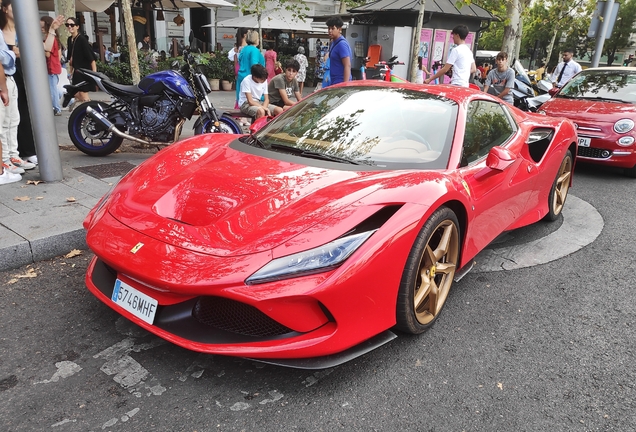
(562, 185)
(436, 271)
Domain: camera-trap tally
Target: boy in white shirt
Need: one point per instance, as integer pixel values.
(460, 59)
(253, 87)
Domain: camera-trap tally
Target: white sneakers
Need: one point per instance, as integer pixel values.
(22, 164)
(33, 159)
(8, 177)
(13, 169)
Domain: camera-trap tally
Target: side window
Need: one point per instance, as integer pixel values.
(487, 126)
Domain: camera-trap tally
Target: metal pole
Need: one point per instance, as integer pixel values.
(27, 19)
(600, 37)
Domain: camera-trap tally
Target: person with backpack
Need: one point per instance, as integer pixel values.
(339, 53)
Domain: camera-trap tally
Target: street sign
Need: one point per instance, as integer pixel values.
(597, 19)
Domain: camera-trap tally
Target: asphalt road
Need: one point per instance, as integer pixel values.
(546, 347)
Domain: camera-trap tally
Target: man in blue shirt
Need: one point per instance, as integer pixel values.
(339, 52)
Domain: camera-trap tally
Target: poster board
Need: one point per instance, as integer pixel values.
(450, 45)
(439, 43)
(426, 38)
(470, 40)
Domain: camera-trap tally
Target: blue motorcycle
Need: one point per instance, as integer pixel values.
(151, 113)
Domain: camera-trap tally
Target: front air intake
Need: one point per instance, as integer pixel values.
(236, 317)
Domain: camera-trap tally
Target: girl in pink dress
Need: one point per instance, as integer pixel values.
(270, 62)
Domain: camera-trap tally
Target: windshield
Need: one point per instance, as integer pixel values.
(382, 127)
(521, 72)
(618, 85)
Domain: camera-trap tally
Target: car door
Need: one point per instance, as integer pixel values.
(498, 193)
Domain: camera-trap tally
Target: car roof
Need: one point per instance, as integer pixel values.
(451, 92)
(613, 68)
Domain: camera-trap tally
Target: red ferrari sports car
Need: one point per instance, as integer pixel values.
(307, 242)
(602, 103)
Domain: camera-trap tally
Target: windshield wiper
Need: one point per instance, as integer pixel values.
(313, 154)
(254, 140)
(600, 98)
(323, 156)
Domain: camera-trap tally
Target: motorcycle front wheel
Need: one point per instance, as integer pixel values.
(87, 136)
(226, 123)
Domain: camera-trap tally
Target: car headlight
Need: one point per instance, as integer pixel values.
(541, 112)
(317, 260)
(625, 141)
(623, 126)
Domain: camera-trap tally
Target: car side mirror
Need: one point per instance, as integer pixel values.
(499, 158)
(259, 123)
(553, 91)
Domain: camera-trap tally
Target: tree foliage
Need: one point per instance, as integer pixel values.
(549, 26)
(622, 30)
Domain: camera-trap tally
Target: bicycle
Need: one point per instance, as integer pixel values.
(386, 68)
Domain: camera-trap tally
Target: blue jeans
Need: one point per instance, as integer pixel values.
(55, 94)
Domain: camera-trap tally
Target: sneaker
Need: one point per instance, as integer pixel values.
(22, 164)
(57, 113)
(8, 177)
(8, 166)
(33, 159)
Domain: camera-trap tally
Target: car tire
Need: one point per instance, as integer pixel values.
(560, 188)
(429, 272)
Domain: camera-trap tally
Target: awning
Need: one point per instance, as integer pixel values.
(80, 5)
(188, 4)
(277, 19)
(102, 5)
(444, 7)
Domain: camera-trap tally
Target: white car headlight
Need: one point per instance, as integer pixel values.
(317, 260)
(623, 126)
(626, 141)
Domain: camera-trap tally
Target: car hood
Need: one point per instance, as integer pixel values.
(227, 202)
(589, 111)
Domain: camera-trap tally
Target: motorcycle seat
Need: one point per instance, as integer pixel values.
(122, 90)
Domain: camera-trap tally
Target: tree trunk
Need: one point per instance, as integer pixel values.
(518, 40)
(343, 7)
(260, 32)
(416, 41)
(513, 10)
(548, 54)
(132, 43)
(611, 56)
(66, 8)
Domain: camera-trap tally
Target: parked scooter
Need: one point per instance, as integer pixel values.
(532, 104)
(151, 113)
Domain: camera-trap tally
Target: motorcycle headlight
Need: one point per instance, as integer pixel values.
(623, 126)
(317, 260)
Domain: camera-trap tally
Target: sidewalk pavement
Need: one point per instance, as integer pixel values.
(39, 221)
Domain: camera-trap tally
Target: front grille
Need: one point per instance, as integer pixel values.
(591, 152)
(236, 317)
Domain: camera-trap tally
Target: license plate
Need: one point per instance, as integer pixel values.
(584, 141)
(137, 303)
